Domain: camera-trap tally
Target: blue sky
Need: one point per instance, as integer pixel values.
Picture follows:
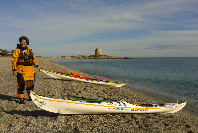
(150, 28)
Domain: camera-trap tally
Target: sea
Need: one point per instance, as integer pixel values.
(175, 79)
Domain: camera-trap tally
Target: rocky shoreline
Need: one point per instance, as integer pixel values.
(15, 117)
(94, 57)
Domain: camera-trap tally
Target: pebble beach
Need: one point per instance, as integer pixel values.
(15, 117)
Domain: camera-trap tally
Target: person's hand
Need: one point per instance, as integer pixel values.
(15, 73)
(38, 69)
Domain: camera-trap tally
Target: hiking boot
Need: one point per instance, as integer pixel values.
(21, 101)
(30, 99)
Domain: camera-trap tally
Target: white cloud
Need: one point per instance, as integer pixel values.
(54, 25)
(168, 47)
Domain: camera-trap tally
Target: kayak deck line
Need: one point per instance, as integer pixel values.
(78, 107)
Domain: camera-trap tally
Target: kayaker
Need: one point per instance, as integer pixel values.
(22, 67)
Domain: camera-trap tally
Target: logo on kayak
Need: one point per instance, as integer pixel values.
(139, 109)
(39, 103)
(129, 109)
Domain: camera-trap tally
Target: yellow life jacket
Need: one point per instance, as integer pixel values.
(23, 57)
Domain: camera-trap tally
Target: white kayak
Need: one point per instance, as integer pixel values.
(101, 106)
(77, 77)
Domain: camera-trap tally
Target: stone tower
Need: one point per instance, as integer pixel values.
(98, 51)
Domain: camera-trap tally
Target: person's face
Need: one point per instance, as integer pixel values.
(23, 43)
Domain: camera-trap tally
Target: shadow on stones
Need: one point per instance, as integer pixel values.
(9, 98)
(35, 113)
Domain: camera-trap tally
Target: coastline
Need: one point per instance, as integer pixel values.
(155, 98)
(15, 117)
(189, 110)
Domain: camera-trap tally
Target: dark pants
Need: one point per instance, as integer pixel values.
(21, 86)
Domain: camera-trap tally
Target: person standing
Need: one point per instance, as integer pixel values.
(22, 67)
